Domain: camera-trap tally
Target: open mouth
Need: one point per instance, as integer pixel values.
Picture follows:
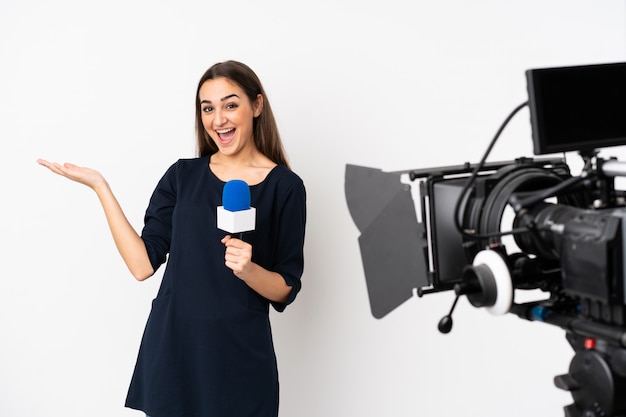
(225, 135)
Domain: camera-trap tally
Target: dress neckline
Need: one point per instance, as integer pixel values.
(208, 166)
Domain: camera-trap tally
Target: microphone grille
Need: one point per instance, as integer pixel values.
(236, 195)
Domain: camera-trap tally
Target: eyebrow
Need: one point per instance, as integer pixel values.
(222, 99)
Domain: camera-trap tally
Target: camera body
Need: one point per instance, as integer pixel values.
(567, 234)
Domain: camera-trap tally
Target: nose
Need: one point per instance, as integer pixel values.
(220, 117)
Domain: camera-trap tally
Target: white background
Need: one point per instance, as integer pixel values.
(390, 84)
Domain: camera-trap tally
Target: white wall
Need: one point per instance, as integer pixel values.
(389, 84)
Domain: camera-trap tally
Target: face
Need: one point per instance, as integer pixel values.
(227, 115)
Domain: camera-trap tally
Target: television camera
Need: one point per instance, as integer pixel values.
(488, 229)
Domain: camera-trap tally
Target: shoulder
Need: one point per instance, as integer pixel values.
(186, 166)
(286, 184)
(192, 163)
(282, 174)
(182, 171)
(284, 180)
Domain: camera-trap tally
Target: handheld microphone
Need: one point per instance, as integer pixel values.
(235, 214)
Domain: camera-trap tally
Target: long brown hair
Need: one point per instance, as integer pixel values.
(265, 129)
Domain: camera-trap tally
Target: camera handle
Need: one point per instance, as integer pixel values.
(486, 283)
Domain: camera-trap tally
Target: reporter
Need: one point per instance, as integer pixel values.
(207, 347)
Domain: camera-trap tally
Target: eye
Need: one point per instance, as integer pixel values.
(207, 109)
(232, 106)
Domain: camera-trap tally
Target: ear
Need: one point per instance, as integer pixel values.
(258, 105)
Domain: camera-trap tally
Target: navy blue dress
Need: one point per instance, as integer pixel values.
(207, 348)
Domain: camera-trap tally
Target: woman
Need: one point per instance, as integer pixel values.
(207, 347)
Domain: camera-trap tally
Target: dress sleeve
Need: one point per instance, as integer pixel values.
(157, 230)
(290, 245)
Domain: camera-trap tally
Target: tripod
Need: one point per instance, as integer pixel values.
(596, 378)
(597, 373)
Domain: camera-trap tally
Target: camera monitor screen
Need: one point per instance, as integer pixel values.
(578, 108)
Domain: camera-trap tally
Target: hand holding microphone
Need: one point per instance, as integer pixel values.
(238, 256)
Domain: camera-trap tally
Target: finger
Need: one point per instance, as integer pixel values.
(61, 169)
(52, 166)
(45, 163)
(57, 168)
(233, 242)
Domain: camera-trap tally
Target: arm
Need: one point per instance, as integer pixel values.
(270, 285)
(129, 244)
